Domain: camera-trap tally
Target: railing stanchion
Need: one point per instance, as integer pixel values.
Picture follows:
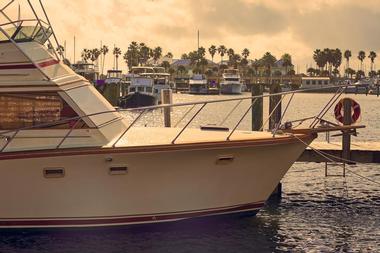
(129, 127)
(241, 119)
(68, 134)
(188, 123)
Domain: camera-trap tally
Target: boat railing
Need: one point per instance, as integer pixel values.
(138, 113)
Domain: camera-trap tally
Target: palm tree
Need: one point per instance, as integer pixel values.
(144, 53)
(329, 54)
(372, 55)
(104, 50)
(169, 55)
(361, 57)
(286, 61)
(95, 53)
(245, 53)
(166, 65)
(256, 64)
(86, 54)
(320, 59)
(336, 60)
(157, 53)
(222, 50)
(117, 53)
(212, 50)
(311, 71)
(230, 53)
(268, 60)
(181, 69)
(347, 55)
(350, 72)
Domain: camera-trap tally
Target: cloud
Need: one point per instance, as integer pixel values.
(278, 26)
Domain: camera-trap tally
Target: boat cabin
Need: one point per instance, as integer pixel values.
(44, 104)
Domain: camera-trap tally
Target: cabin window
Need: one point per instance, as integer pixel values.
(22, 110)
(326, 82)
(308, 82)
(132, 89)
(140, 89)
(149, 89)
(320, 82)
(313, 82)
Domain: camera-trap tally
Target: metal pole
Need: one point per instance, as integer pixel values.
(129, 127)
(257, 109)
(241, 119)
(43, 30)
(51, 27)
(188, 123)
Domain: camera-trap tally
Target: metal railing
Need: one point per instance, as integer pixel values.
(11, 135)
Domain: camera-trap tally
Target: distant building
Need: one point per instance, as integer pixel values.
(276, 69)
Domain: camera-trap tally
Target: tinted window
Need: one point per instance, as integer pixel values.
(30, 110)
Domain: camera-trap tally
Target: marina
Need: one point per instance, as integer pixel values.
(182, 155)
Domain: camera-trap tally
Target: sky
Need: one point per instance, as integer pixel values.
(296, 27)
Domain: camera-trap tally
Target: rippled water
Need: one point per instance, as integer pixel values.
(315, 214)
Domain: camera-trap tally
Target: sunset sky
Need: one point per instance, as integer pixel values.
(279, 26)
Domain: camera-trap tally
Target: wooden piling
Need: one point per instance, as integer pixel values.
(273, 101)
(166, 95)
(378, 90)
(257, 109)
(347, 120)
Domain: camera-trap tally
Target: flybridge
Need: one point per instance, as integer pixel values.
(23, 40)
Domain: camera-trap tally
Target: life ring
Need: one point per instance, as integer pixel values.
(355, 107)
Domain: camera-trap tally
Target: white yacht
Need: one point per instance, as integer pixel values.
(198, 84)
(69, 159)
(231, 82)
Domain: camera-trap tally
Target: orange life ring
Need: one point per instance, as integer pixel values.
(338, 112)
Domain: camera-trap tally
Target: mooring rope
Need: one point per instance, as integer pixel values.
(326, 156)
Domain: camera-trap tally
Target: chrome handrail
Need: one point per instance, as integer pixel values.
(142, 110)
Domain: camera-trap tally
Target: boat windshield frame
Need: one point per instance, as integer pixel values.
(20, 31)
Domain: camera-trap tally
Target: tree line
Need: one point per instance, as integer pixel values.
(140, 54)
(328, 62)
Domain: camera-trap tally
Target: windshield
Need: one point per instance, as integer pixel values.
(27, 33)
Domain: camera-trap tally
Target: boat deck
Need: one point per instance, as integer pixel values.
(139, 136)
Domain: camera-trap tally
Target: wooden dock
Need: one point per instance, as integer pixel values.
(364, 152)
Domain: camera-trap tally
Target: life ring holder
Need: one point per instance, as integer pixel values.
(355, 107)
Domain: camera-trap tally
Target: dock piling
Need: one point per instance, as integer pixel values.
(167, 98)
(346, 137)
(257, 109)
(273, 101)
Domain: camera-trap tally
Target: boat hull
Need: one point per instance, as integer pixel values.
(196, 89)
(136, 100)
(160, 184)
(231, 88)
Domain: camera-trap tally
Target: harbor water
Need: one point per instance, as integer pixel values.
(316, 213)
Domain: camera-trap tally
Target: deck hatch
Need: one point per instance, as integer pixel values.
(54, 172)
(118, 170)
(225, 159)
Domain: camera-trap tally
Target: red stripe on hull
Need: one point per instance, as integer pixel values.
(125, 220)
(29, 65)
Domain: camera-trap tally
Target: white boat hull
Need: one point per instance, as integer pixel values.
(162, 183)
(231, 88)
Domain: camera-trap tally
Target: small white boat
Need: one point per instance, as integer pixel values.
(231, 82)
(198, 84)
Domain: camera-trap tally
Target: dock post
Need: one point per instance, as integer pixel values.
(257, 109)
(378, 90)
(167, 97)
(273, 101)
(346, 137)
